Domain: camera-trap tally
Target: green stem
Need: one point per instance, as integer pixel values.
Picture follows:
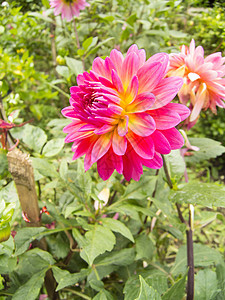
(77, 293)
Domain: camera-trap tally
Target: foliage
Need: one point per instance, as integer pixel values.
(113, 239)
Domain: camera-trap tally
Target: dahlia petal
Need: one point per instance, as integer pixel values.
(123, 126)
(109, 66)
(140, 53)
(81, 148)
(108, 163)
(174, 138)
(101, 146)
(143, 146)
(106, 82)
(161, 143)
(132, 90)
(119, 143)
(182, 110)
(134, 169)
(99, 66)
(165, 118)
(117, 59)
(129, 68)
(163, 58)
(155, 163)
(73, 126)
(141, 103)
(117, 82)
(77, 136)
(149, 75)
(166, 90)
(142, 124)
(104, 129)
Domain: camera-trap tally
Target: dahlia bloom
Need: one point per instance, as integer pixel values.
(68, 8)
(204, 82)
(121, 113)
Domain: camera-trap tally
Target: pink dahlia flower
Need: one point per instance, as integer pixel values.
(121, 113)
(68, 8)
(204, 82)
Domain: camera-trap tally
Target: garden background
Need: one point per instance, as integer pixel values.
(110, 239)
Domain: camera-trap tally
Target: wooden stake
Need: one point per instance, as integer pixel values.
(22, 172)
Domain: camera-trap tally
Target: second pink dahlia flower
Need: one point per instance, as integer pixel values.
(68, 8)
(204, 82)
(121, 114)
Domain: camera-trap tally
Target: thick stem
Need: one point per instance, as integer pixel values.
(190, 259)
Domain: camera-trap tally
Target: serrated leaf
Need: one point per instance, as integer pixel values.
(117, 226)
(208, 148)
(53, 147)
(34, 137)
(144, 247)
(177, 291)
(123, 257)
(97, 241)
(65, 278)
(30, 290)
(205, 194)
(205, 284)
(147, 292)
(203, 257)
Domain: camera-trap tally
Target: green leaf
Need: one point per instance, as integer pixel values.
(144, 247)
(147, 292)
(34, 137)
(117, 226)
(87, 43)
(103, 295)
(30, 290)
(140, 189)
(65, 278)
(63, 71)
(205, 284)
(44, 167)
(63, 169)
(27, 235)
(53, 147)
(75, 65)
(177, 291)
(176, 163)
(220, 272)
(208, 148)
(97, 241)
(205, 194)
(96, 285)
(203, 257)
(122, 257)
(40, 16)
